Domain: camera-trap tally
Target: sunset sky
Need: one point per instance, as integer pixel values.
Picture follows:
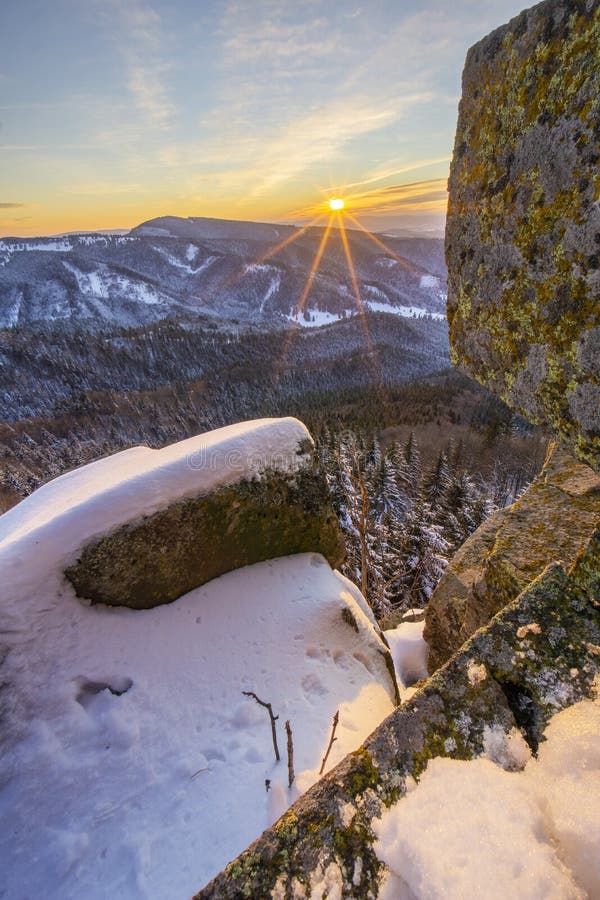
(116, 111)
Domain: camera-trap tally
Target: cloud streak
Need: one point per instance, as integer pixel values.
(140, 42)
(12, 205)
(270, 30)
(317, 138)
(383, 173)
(430, 194)
(418, 196)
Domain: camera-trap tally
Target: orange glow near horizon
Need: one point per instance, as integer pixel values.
(91, 207)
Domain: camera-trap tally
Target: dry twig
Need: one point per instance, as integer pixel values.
(333, 738)
(290, 753)
(273, 719)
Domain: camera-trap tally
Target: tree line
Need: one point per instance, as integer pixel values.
(402, 521)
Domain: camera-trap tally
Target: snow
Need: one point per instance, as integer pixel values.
(54, 522)
(191, 253)
(151, 792)
(133, 766)
(472, 829)
(409, 653)
(8, 248)
(429, 281)
(317, 317)
(173, 261)
(11, 316)
(63, 244)
(101, 282)
(89, 282)
(509, 750)
(410, 312)
(271, 290)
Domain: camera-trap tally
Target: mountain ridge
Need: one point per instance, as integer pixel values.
(182, 268)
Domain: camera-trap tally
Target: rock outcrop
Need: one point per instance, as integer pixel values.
(523, 231)
(553, 520)
(540, 654)
(274, 502)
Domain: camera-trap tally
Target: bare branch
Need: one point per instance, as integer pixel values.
(290, 753)
(273, 719)
(333, 738)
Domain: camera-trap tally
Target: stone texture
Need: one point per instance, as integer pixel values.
(154, 561)
(552, 521)
(523, 229)
(524, 676)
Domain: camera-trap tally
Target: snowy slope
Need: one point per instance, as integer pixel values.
(133, 765)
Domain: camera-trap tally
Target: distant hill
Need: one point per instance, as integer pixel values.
(173, 268)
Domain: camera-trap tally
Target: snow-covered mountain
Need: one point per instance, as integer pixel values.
(181, 268)
(183, 325)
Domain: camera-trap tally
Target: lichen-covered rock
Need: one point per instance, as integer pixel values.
(523, 228)
(189, 543)
(539, 655)
(553, 520)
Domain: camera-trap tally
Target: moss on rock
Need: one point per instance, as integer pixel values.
(147, 563)
(523, 228)
(553, 520)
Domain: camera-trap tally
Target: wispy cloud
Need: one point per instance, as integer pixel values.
(321, 135)
(140, 42)
(146, 85)
(12, 205)
(275, 41)
(267, 31)
(385, 172)
(419, 195)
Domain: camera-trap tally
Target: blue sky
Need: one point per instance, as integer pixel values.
(115, 111)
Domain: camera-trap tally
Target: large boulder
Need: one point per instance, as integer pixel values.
(553, 520)
(523, 229)
(277, 505)
(144, 527)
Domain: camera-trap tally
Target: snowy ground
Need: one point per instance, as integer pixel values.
(472, 829)
(133, 765)
(318, 317)
(120, 709)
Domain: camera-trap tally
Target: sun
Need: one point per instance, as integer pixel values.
(336, 204)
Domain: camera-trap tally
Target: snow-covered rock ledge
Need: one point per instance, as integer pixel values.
(144, 527)
(354, 834)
